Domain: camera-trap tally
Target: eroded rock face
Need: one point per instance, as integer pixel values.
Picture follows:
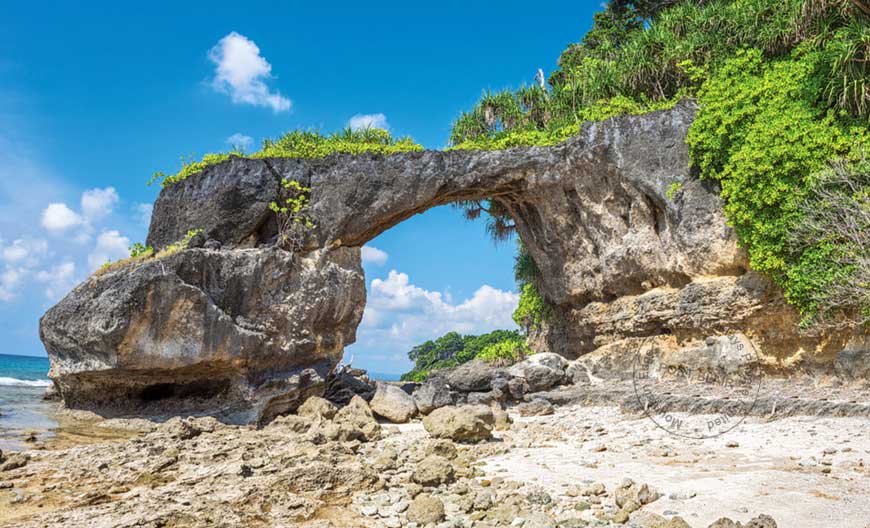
(242, 323)
(250, 332)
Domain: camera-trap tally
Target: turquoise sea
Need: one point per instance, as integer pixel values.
(23, 380)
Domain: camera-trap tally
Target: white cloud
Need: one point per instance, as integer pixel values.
(373, 255)
(9, 281)
(240, 141)
(363, 121)
(58, 280)
(241, 72)
(110, 246)
(142, 213)
(25, 251)
(98, 203)
(399, 315)
(57, 217)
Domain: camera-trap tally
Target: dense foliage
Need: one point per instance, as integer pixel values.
(763, 136)
(303, 144)
(453, 349)
(783, 91)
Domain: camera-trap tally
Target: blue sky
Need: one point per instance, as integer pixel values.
(95, 98)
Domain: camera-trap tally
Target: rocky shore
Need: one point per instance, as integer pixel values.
(477, 461)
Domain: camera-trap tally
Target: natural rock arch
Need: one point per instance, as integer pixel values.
(248, 331)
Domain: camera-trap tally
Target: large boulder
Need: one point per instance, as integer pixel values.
(393, 403)
(473, 376)
(246, 334)
(541, 371)
(434, 393)
(460, 424)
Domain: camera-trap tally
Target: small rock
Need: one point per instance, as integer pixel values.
(762, 521)
(182, 429)
(731, 443)
(725, 522)
(682, 495)
(539, 497)
(442, 447)
(425, 509)
(594, 490)
(620, 517)
(14, 461)
(537, 407)
(317, 406)
(433, 471)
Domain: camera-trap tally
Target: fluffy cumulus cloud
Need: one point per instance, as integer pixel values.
(98, 203)
(363, 121)
(58, 217)
(24, 251)
(95, 205)
(110, 246)
(241, 72)
(399, 314)
(373, 255)
(240, 141)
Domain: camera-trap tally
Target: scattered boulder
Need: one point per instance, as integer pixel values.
(459, 424)
(347, 382)
(432, 394)
(442, 447)
(357, 421)
(181, 429)
(501, 419)
(433, 471)
(317, 406)
(425, 509)
(536, 407)
(393, 403)
(641, 494)
(13, 461)
(474, 376)
(762, 521)
(541, 371)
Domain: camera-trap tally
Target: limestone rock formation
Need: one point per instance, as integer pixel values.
(243, 334)
(393, 403)
(245, 330)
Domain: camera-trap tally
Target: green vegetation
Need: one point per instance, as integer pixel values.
(303, 144)
(783, 92)
(505, 352)
(830, 244)
(138, 250)
(141, 253)
(292, 214)
(673, 190)
(763, 136)
(453, 349)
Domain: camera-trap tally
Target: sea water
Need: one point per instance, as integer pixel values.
(23, 380)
